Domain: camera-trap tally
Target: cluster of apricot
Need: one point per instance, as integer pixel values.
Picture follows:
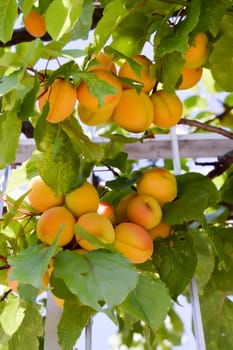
(132, 110)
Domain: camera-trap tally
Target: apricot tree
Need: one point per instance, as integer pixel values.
(125, 71)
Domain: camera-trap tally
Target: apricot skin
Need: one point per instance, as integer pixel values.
(121, 208)
(82, 200)
(54, 220)
(97, 225)
(159, 183)
(134, 111)
(133, 241)
(41, 196)
(91, 118)
(168, 108)
(61, 96)
(161, 230)
(35, 24)
(104, 62)
(144, 77)
(91, 102)
(107, 209)
(197, 53)
(190, 77)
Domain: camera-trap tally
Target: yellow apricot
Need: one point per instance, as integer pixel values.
(133, 241)
(197, 53)
(97, 225)
(91, 118)
(103, 62)
(134, 111)
(35, 24)
(41, 197)
(121, 208)
(159, 183)
(144, 76)
(53, 221)
(88, 100)
(167, 107)
(107, 209)
(190, 77)
(160, 230)
(82, 199)
(61, 96)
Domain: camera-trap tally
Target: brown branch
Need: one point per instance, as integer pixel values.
(220, 166)
(207, 127)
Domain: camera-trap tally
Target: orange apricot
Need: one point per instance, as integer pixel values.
(82, 199)
(108, 210)
(144, 76)
(91, 118)
(61, 96)
(91, 102)
(97, 225)
(160, 230)
(41, 197)
(53, 221)
(121, 208)
(134, 111)
(190, 77)
(167, 108)
(133, 241)
(103, 62)
(34, 24)
(197, 53)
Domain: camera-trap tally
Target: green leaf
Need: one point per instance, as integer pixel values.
(74, 318)
(98, 278)
(226, 190)
(30, 265)
(10, 129)
(175, 260)
(67, 14)
(12, 315)
(8, 15)
(221, 56)
(83, 25)
(150, 301)
(29, 331)
(196, 192)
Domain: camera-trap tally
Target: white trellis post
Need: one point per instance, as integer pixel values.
(196, 311)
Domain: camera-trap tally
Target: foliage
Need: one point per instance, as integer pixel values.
(138, 298)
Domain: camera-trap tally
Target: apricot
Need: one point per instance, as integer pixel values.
(144, 75)
(107, 209)
(91, 102)
(159, 183)
(103, 62)
(97, 225)
(34, 24)
(82, 199)
(144, 210)
(167, 108)
(121, 208)
(197, 53)
(91, 118)
(61, 96)
(133, 241)
(41, 197)
(190, 77)
(160, 230)
(134, 111)
(53, 221)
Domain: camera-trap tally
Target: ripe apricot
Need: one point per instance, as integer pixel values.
(35, 24)
(133, 241)
(41, 197)
(160, 230)
(144, 76)
(97, 225)
(167, 108)
(134, 111)
(159, 183)
(190, 77)
(53, 221)
(82, 199)
(197, 53)
(144, 210)
(91, 102)
(107, 209)
(61, 96)
(91, 118)
(103, 62)
(121, 208)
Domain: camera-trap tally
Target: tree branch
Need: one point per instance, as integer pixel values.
(223, 163)
(207, 127)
